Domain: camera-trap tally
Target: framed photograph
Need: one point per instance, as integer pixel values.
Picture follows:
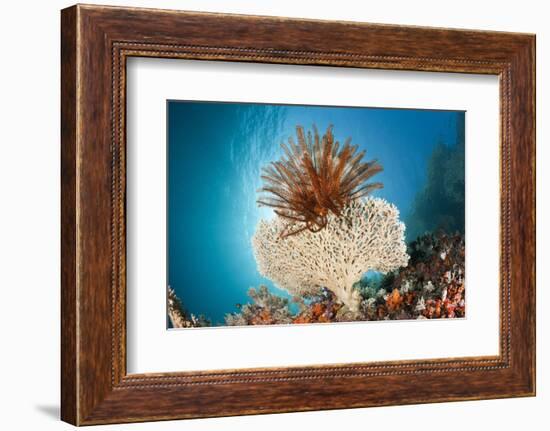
(280, 207)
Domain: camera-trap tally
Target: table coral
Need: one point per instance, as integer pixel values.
(368, 235)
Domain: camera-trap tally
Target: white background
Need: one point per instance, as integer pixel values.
(151, 348)
(29, 217)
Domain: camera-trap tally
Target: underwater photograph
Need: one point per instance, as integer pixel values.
(293, 214)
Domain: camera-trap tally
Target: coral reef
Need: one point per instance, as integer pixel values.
(179, 318)
(268, 308)
(321, 308)
(315, 178)
(430, 287)
(265, 309)
(367, 236)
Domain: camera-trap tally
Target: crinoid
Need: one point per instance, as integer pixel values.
(314, 177)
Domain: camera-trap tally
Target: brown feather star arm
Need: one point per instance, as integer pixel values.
(358, 176)
(314, 177)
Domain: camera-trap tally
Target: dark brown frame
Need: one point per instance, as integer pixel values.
(95, 43)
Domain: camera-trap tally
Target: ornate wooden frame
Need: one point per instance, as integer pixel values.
(95, 43)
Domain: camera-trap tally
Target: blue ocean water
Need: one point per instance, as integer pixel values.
(216, 152)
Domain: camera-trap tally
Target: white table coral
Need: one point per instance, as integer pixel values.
(368, 235)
